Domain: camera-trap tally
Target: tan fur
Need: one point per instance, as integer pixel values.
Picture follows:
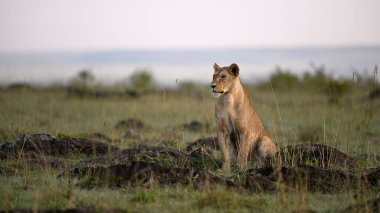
(239, 125)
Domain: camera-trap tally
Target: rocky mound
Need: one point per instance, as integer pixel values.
(49, 145)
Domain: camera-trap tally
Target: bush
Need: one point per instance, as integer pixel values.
(84, 79)
(336, 89)
(191, 88)
(316, 79)
(142, 81)
(321, 82)
(311, 134)
(283, 79)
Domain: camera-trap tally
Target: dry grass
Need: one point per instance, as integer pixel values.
(291, 117)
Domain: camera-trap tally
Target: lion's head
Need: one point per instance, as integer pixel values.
(223, 79)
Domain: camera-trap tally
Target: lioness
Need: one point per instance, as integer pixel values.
(238, 123)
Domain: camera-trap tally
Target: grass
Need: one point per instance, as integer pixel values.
(47, 192)
(292, 117)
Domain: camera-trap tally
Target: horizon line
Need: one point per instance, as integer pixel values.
(184, 49)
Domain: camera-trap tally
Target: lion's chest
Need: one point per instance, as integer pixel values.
(228, 116)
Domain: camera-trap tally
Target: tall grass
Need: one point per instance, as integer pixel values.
(292, 117)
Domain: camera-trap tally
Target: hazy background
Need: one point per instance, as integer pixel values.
(45, 41)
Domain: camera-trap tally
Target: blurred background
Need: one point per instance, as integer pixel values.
(51, 42)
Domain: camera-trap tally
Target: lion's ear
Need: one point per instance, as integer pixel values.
(234, 69)
(216, 67)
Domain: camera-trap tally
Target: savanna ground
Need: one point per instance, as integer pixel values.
(315, 109)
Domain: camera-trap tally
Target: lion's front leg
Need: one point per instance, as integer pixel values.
(225, 148)
(245, 146)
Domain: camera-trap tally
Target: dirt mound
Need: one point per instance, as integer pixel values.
(142, 173)
(157, 165)
(316, 154)
(49, 145)
(150, 165)
(164, 156)
(293, 155)
(257, 183)
(139, 173)
(72, 210)
(41, 151)
(34, 161)
(202, 158)
(130, 123)
(193, 126)
(158, 154)
(7, 171)
(107, 165)
(372, 177)
(368, 206)
(134, 173)
(210, 142)
(99, 136)
(374, 93)
(307, 177)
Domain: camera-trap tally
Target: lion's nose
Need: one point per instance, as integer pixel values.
(213, 86)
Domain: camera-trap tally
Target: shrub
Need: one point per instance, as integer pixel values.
(191, 88)
(83, 79)
(336, 89)
(311, 134)
(283, 79)
(142, 81)
(316, 79)
(321, 82)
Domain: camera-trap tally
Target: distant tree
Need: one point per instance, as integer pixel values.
(316, 78)
(86, 77)
(83, 79)
(187, 87)
(142, 81)
(319, 81)
(283, 79)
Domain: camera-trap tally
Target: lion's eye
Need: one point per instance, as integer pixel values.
(223, 77)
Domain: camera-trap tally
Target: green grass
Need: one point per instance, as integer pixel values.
(45, 191)
(292, 117)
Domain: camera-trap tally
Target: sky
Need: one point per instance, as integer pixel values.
(46, 25)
